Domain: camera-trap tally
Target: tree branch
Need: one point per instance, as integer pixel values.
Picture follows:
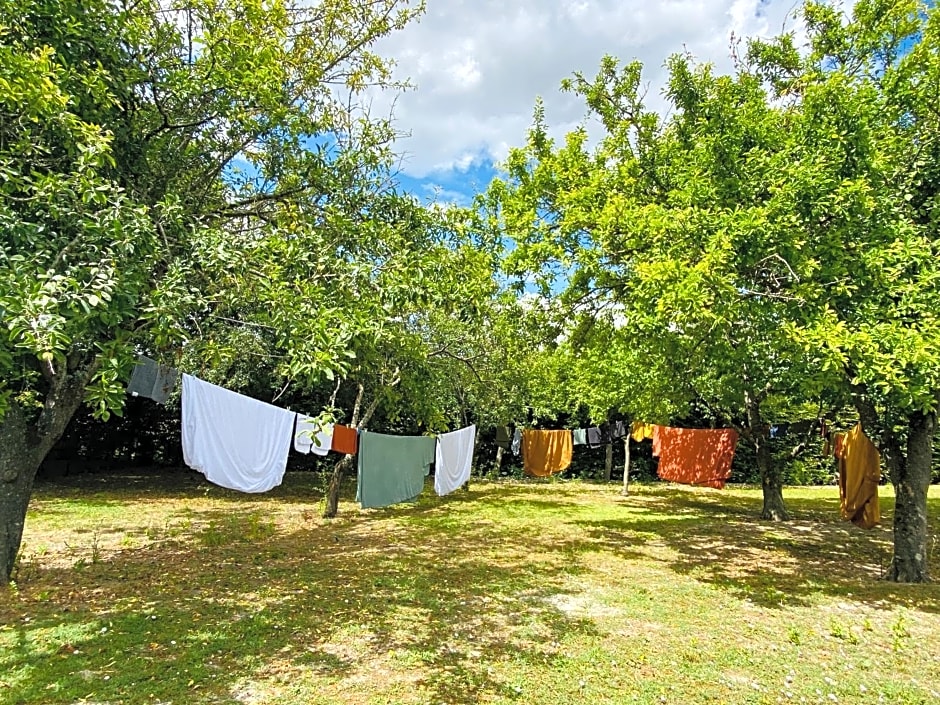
(335, 392)
(48, 372)
(354, 422)
(238, 207)
(444, 352)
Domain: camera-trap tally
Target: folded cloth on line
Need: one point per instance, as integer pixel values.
(595, 437)
(453, 459)
(235, 441)
(517, 441)
(640, 431)
(311, 437)
(345, 439)
(392, 468)
(152, 380)
(579, 436)
(545, 453)
(695, 456)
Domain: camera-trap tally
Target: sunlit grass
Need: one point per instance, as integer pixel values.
(162, 590)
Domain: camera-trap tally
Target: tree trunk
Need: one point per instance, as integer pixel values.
(18, 466)
(608, 433)
(23, 447)
(626, 466)
(774, 508)
(911, 479)
(336, 482)
(909, 470)
(609, 462)
(473, 459)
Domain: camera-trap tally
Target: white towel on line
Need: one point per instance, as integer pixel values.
(454, 458)
(310, 437)
(235, 441)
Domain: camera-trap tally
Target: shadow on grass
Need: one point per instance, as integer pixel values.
(206, 617)
(718, 539)
(171, 483)
(410, 602)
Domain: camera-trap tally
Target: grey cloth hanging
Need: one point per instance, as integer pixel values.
(502, 437)
(595, 437)
(152, 380)
(517, 441)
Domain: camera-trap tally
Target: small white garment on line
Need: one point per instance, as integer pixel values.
(308, 430)
(454, 456)
(235, 441)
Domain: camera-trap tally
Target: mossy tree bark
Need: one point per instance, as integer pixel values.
(908, 468)
(911, 479)
(774, 508)
(24, 444)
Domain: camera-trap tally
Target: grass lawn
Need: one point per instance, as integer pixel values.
(166, 590)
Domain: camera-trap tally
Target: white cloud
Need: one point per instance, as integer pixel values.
(478, 65)
(439, 194)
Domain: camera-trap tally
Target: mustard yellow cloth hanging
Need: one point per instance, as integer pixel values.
(545, 453)
(859, 475)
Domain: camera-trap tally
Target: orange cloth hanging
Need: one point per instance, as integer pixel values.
(545, 453)
(838, 440)
(655, 438)
(859, 475)
(695, 456)
(345, 439)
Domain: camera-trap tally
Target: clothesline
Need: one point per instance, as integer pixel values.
(238, 442)
(243, 444)
(688, 456)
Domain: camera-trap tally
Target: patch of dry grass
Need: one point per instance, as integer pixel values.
(137, 590)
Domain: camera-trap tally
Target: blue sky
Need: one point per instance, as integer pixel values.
(455, 185)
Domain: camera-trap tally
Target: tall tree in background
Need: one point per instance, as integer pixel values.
(763, 242)
(663, 236)
(144, 149)
(865, 200)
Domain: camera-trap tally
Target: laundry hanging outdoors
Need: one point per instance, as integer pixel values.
(312, 437)
(546, 453)
(453, 459)
(595, 437)
(695, 456)
(859, 474)
(152, 380)
(516, 445)
(640, 431)
(392, 468)
(345, 439)
(235, 441)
